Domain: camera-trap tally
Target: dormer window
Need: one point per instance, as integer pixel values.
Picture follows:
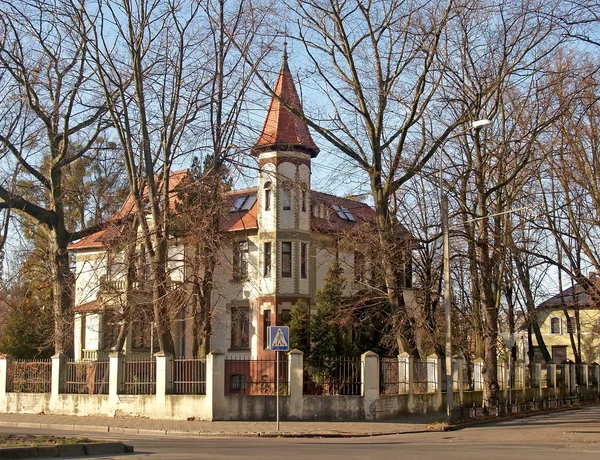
(243, 203)
(343, 213)
(286, 199)
(267, 189)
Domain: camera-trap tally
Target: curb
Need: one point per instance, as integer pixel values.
(507, 418)
(220, 434)
(67, 450)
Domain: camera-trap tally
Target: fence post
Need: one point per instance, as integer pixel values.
(403, 373)
(295, 379)
(460, 378)
(370, 383)
(433, 374)
(114, 378)
(164, 377)
(478, 374)
(597, 376)
(586, 379)
(552, 376)
(215, 385)
(58, 367)
(4, 366)
(537, 376)
(571, 374)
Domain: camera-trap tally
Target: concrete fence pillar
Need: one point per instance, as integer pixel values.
(434, 383)
(478, 374)
(404, 371)
(4, 383)
(459, 370)
(536, 376)
(164, 377)
(596, 373)
(58, 369)
(552, 384)
(571, 378)
(215, 385)
(295, 379)
(370, 382)
(115, 377)
(586, 380)
(520, 375)
(503, 375)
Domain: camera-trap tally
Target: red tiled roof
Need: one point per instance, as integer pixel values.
(94, 305)
(114, 226)
(282, 130)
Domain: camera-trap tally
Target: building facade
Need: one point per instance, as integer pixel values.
(282, 239)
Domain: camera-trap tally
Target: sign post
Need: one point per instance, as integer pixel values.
(279, 340)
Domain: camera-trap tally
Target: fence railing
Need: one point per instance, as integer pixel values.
(29, 376)
(83, 377)
(424, 376)
(340, 376)
(138, 376)
(189, 376)
(255, 376)
(392, 380)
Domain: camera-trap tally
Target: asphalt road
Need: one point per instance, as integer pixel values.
(567, 435)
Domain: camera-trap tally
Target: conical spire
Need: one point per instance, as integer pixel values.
(282, 130)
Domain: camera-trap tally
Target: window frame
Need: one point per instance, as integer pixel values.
(286, 266)
(241, 254)
(304, 260)
(559, 325)
(267, 196)
(286, 199)
(267, 259)
(240, 316)
(267, 321)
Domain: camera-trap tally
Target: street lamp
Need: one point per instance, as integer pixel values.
(478, 124)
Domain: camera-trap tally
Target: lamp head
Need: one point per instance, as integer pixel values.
(481, 123)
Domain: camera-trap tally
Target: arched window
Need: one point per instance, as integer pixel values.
(267, 188)
(555, 325)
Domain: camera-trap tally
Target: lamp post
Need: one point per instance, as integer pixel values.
(478, 124)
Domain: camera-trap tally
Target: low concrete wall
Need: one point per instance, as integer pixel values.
(217, 405)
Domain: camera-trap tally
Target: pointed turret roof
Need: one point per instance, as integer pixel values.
(282, 130)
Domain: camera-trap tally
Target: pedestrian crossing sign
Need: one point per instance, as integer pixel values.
(279, 338)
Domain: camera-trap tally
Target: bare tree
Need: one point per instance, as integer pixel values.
(51, 117)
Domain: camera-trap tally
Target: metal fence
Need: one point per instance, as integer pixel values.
(340, 376)
(83, 377)
(393, 376)
(138, 376)
(30, 376)
(255, 376)
(561, 376)
(424, 376)
(189, 376)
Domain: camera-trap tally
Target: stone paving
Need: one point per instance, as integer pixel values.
(408, 424)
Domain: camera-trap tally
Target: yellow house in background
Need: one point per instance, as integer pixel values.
(570, 321)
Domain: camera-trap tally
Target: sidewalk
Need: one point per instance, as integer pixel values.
(408, 424)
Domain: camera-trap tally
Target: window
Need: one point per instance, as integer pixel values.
(359, 266)
(344, 213)
(286, 259)
(110, 329)
(286, 317)
(266, 325)
(315, 210)
(267, 261)
(303, 260)
(240, 260)
(555, 325)
(237, 383)
(572, 325)
(267, 196)
(240, 327)
(303, 200)
(286, 199)
(243, 203)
